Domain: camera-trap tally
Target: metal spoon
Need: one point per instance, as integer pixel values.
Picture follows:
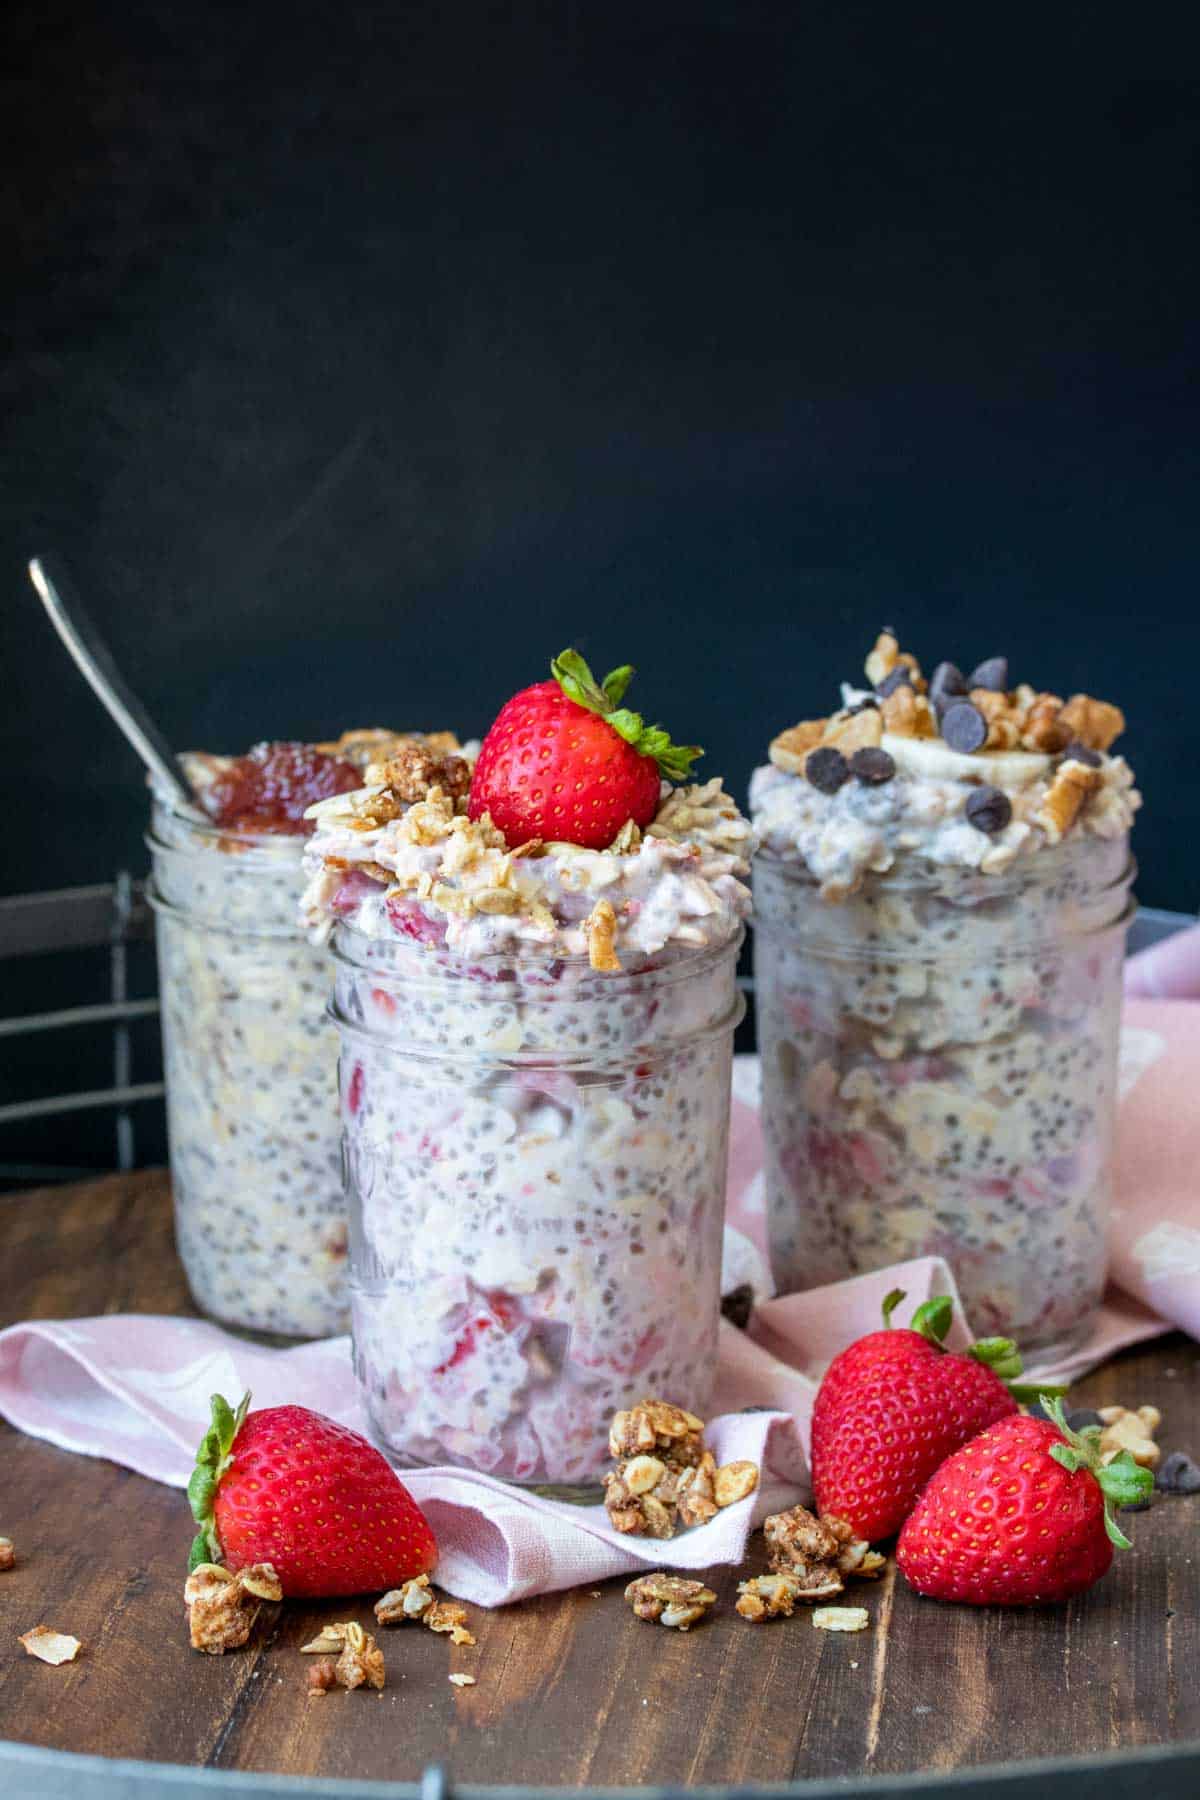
(92, 657)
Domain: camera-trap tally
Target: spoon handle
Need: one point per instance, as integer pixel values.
(92, 657)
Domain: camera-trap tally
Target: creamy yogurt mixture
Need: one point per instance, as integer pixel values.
(249, 1054)
(535, 1136)
(939, 934)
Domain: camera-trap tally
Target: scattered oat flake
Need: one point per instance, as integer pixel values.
(52, 1647)
(462, 1680)
(841, 1618)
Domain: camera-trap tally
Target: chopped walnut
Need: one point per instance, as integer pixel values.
(841, 1618)
(359, 1661)
(600, 928)
(375, 744)
(8, 1555)
(906, 713)
(1043, 728)
(1123, 1429)
(1073, 782)
(1003, 718)
(849, 732)
(655, 1426)
(789, 751)
(1094, 722)
(775, 1596)
(669, 1600)
(734, 1482)
(49, 1646)
(886, 656)
(222, 1607)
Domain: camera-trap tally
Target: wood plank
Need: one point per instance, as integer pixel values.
(571, 1689)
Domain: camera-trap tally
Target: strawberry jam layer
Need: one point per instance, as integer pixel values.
(269, 789)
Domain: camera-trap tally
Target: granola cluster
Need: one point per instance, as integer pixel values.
(416, 1600)
(810, 1560)
(665, 1477)
(1122, 1428)
(8, 1554)
(670, 1600)
(222, 1607)
(350, 1658)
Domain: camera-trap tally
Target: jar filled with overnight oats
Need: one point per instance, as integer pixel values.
(250, 1056)
(941, 903)
(535, 1159)
(536, 995)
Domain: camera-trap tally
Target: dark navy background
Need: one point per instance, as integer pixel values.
(362, 357)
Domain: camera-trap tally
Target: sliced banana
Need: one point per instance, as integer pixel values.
(933, 760)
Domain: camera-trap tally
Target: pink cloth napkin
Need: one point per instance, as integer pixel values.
(135, 1388)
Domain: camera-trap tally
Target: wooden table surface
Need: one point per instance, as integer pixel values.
(570, 1689)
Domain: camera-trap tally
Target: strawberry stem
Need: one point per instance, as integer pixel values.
(1121, 1481)
(213, 1457)
(1000, 1355)
(604, 698)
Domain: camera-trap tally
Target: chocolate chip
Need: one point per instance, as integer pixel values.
(872, 766)
(901, 676)
(964, 727)
(827, 769)
(1077, 752)
(1178, 1475)
(869, 704)
(737, 1305)
(1082, 1417)
(946, 683)
(992, 674)
(989, 809)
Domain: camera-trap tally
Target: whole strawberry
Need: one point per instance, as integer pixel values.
(893, 1405)
(290, 1487)
(565, 761)
(1021, 1515)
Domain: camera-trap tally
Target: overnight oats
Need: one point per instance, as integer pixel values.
(536, 994)
(941, 899)
(249, 1053)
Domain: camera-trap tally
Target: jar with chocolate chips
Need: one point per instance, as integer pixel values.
(938, 945)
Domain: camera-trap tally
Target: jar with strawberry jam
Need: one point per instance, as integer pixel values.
(536, 1041)
(941, 902)
(249, 1054)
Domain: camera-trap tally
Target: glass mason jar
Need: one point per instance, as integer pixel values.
(250, 1059)
(535, 1159)
(939, 1060)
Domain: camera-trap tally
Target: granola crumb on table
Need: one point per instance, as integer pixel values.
(8, 1554)
(416, 1599)
(50, 1646)
(359, 1660)
(670, 1600)
(841, 1618)
(222, 1607)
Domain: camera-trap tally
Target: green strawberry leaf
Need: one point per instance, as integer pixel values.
(200, 1552)
(932, 1318)
(1026, 1392)
(1121, 1481)
(890, 1302)
(615, 683)
(213, 1457)
(579, 684)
